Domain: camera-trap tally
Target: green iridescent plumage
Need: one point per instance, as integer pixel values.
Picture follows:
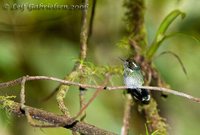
(133, 79)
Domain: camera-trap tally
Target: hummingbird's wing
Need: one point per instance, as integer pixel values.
(140, 94)
(138, 75)
(142, 77)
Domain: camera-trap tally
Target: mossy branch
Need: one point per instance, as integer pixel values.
(151, 113)
(54, 119)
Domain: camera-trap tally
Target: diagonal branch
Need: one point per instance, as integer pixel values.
(54, 119)
(94, 96)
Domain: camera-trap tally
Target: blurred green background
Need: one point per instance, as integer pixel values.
(46, 42)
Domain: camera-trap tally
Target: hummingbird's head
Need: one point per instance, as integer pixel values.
(131, 65)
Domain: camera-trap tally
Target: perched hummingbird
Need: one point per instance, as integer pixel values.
(133, 79)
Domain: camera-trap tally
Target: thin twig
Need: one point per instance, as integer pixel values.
(127, 113)
(92, 18)
(82, 92)
(54, 119)
(31, 78)
(94, 96)
(22, 92)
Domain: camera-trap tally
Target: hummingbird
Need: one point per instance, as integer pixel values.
(133, 79)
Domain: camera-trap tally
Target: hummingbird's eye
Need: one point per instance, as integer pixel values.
(130, 65)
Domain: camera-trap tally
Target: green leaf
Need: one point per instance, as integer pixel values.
(177, 57)
(146, 129)
(194, 35)
(155, 132)
(161, 33)
(168, 20)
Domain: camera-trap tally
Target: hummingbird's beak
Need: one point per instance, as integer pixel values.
(122, 59)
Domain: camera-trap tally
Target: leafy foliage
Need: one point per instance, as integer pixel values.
(161, 32)
(93, 73)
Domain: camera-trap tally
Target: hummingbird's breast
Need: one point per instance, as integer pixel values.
(133, 79)
(132, 82)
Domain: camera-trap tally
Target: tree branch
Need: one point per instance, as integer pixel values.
(127, 114)
(54, 119)
(152, 88)
(83, 54)
(92, 18)
(84, 35)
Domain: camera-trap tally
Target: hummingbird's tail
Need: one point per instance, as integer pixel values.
(140, 94)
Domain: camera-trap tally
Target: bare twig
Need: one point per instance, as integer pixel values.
(94, 96)
(22, 92)
(54, 119)
(82, 92)
(92, 17)
(127, 113)
(31, 78)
